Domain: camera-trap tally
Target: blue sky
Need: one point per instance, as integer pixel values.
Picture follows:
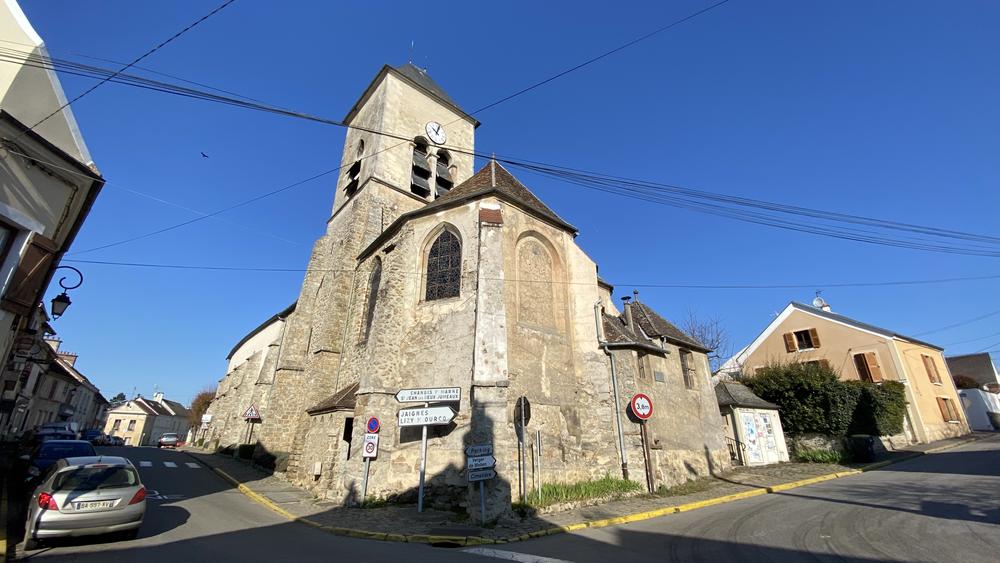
(883, 109)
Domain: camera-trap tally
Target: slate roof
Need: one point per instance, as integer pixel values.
(345, 399)
(422, 79)
(417, 77)
(655, 325)
(617, 332)
(864, 326)
(732, 394)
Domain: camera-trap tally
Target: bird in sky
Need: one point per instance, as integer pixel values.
(204, 155)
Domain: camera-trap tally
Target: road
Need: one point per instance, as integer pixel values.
(939, 507)
(196, 516)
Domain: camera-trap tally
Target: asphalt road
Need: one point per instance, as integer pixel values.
(196, 516)
(938, 508)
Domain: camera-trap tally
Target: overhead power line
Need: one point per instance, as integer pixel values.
(956, 325)
(126, 67)
(636, 285)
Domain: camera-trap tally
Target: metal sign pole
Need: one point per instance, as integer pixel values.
(364, 487)
(482, 503)
(524, 477)
(538, 458)
(423, 465)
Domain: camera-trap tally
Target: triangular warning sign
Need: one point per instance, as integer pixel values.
(251, 413)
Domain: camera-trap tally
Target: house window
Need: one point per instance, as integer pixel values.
(7, 234)
(354, 172)
(948, 411)
(442, 179)
(373, 283)
(52, 390)
(931, 367)
(420, 173)
(867, 365)
(642, 365)
(117, 425)
(348, 433)
(131, 425)
(687, 368)
(824, 364)
(444, 267)
(807, 339)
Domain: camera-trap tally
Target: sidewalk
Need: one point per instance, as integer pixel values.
(404, 523)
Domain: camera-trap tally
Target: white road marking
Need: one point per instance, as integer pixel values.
(169, 464)
(145, 464)
(193, 465)
(512, 555)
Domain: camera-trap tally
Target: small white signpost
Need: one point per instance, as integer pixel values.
(479, 465)
(370, 448)
(251, 415)
(424, 417)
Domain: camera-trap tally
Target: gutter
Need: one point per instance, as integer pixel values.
(614, 388)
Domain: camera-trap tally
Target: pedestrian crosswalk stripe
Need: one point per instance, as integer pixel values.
(145, 464)
(169, 464)
(192, 465)
(512, 555)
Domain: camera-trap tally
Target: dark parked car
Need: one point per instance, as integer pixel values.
(95, 437)
(52, 451)
(168, 440)
(116, 441)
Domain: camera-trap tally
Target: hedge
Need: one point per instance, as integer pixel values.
(812, 399)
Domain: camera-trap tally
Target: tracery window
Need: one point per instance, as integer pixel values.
(373, 283)
(444, 267)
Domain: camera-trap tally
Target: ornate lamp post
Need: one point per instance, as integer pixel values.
(61, 302)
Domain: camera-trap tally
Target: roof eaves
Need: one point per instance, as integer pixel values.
(279, 315)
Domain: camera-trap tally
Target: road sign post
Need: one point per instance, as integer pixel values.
(251, 415)
(479, 467)
(424, 417)
(368, 450)
(642, 407)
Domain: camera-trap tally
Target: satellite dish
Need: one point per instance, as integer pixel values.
(819, 302)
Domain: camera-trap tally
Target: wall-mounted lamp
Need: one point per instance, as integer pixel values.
(61, 302)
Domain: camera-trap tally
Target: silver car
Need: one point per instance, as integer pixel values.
(83, 496)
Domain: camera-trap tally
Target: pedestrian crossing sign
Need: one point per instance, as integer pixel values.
(252, 413)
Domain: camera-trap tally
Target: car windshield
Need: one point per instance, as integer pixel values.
(54, 450)
(95, 477)
(170, 436)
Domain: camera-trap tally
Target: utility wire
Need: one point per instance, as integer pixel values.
(126, 67)
(956, 325)
(642, 285)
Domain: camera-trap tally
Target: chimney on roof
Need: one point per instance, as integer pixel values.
(158, 396)
(54, 343)
(627, 307)
(68, 357)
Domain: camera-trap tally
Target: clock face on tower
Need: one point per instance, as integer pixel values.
(435, 131)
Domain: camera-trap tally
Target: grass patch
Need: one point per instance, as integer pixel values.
(821, 456)
(555, 493)
(688, 488)
(374, 502)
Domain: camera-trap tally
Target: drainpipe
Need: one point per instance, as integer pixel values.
(614, 389)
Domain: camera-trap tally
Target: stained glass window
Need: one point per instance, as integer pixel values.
(444, 267)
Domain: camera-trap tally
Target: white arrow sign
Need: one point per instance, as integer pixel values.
(429, 395)
(481, 475)
(431, 416)
(482, 449)
(481, 462)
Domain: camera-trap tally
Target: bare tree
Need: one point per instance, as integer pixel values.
(710, 332)
(200, 404)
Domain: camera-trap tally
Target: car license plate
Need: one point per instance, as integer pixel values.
(94, 504)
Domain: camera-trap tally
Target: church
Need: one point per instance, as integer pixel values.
(434, 275)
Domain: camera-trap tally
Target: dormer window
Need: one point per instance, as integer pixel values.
(443, 179)
(420, 175)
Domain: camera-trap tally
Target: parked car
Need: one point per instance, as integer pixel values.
(47, 453)
(83, 496)
(168, 440)
(95, 437)
(116, 441)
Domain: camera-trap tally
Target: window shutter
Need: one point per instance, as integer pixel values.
(814, 336)
(790, 342)
(931, 368)
(873, 367)
(23, 294)
(944, 409)
(861, 364)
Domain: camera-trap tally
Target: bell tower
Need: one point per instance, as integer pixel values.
(424, 150)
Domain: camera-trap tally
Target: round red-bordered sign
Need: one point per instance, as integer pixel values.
(373, 425)
(642, 406)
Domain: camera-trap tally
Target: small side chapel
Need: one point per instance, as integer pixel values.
(433, 275)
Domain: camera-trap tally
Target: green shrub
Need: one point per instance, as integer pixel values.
(821, 456)
(810, 398)
(880, 408)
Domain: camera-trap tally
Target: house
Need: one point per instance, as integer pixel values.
(752, 425)
(48, 183)
(978, 367)
(433, 274)
(859, 351)
(141, 421)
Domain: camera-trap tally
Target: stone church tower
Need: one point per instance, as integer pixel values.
(374, 188)
(430, 275)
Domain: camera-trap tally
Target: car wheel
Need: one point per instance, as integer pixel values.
(30, 543)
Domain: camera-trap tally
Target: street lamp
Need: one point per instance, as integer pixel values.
(61, 302)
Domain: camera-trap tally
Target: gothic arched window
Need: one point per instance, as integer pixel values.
(354, 172)
(420, 173)
(373, 282)
(444, 267)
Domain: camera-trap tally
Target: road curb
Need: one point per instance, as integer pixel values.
(466, 541)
